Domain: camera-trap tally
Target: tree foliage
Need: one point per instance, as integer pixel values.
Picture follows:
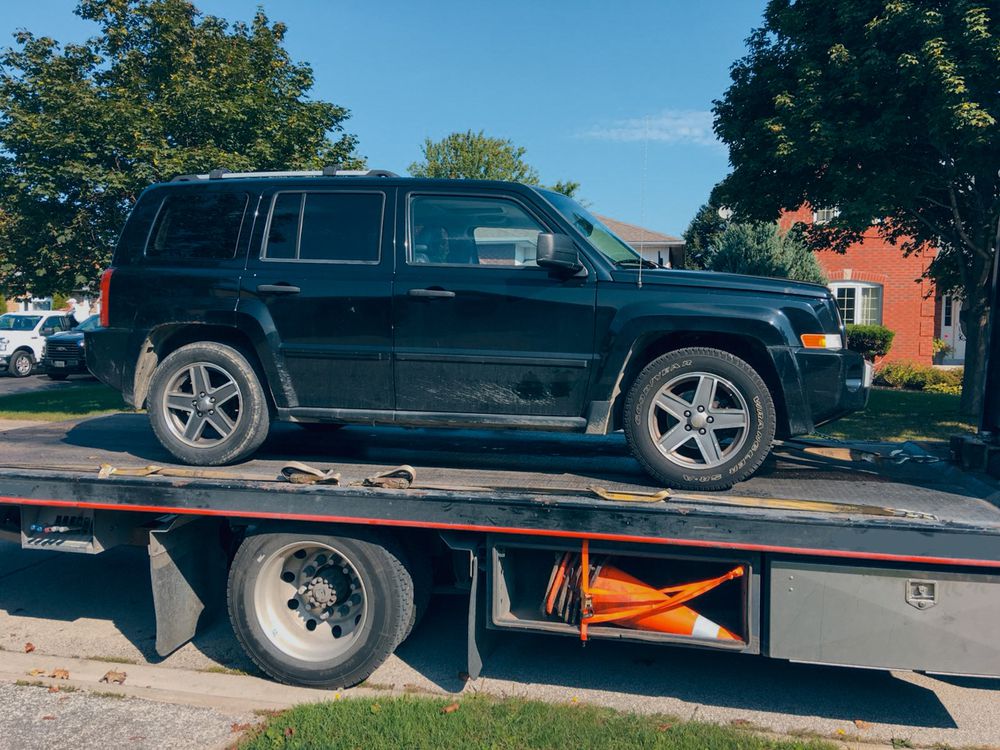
(477, 156)
(160, 90)
(700, 236)
(887, 110)
(474, 156)
(762, 249)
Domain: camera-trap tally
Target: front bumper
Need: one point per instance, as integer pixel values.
(835, 383)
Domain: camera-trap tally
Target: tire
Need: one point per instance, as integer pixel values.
(21, 364)
(263, 580)
(422, 575)
(58, 375)
(674, 403)
(197, 371)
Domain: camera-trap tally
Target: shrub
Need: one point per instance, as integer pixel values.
(870, 340)
(919, 377)
(762, 249)
(954, 390)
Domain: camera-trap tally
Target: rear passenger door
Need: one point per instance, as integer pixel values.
(321, 284)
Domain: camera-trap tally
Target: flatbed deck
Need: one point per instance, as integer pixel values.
(538, 486)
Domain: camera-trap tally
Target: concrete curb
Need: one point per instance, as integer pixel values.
(226, 693)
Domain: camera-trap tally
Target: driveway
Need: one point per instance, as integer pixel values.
(90, 614)
(10, 385)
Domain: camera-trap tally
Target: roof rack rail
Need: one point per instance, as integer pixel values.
(328, 171)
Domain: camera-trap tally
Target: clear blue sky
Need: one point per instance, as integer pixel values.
(591, 89)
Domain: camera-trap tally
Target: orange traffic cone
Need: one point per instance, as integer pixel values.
(609, 594)
(631, 603)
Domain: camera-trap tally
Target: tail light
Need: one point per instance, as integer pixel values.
(106, 298)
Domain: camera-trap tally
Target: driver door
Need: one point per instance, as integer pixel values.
(479, 328)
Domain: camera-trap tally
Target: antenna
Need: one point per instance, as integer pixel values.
(642, 197)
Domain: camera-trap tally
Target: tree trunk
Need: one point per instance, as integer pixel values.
(975, 318)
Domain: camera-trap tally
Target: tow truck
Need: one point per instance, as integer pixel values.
(327, 546)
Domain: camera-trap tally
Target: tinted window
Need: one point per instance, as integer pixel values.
(331, 227)
(463, 231)
(197, 225)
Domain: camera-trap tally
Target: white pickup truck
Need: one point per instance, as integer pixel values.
(22, 338)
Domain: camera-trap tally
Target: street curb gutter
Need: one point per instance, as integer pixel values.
(226, 693)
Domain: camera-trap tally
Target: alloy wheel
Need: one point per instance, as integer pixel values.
(699, 420)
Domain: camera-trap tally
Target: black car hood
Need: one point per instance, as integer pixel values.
(66, 337)
(723, 281)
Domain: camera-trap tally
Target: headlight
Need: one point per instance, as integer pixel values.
(82, 343)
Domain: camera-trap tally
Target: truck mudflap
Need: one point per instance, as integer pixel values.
(188, 575)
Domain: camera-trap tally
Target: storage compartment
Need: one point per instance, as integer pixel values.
(80, 530)
(886, 618)
(713, 597)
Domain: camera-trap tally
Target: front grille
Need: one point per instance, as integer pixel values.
(63, 351)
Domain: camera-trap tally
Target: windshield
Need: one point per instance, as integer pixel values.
(19, 322)
(611, 247)
(89, 324)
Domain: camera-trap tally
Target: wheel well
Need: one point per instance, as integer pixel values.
(165, 340)
(746, 348)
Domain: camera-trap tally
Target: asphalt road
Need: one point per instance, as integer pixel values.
(9, 384)
(101, 608)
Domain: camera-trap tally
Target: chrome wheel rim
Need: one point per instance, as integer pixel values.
(202, 405)
(22, 365)
(311, 602)
(699, 420)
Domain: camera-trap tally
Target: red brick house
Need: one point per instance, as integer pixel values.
(875, 283)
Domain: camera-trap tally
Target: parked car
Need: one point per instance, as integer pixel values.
(236, 300)
(22, 338)
(64, 353)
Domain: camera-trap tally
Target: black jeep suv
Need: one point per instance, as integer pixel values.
(330, 297)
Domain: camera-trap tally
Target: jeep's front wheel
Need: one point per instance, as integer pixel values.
(699, 418)
(206, 405)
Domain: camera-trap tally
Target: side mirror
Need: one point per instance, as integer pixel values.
(47, 331)
(558, 252)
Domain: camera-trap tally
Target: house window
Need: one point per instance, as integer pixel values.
(825, 215)
(859, 302)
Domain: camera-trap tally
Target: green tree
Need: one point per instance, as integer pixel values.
(700, 236)
(159, 90)
(477, 156)
(474, 156)
(566, 187)
(762, 249)
(889, 112)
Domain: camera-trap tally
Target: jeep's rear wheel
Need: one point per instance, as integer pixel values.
(699, 419)
(206, 405)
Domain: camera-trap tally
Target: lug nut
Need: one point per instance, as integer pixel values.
(701, 431)
(711, 419)
(701, 408)
(211, 411)
(687, 414)
(687, 427)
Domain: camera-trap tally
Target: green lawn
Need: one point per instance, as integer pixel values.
(62, 403)
(902, 415)
(473, 723)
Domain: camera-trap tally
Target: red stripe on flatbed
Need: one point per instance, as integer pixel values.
(508, 530)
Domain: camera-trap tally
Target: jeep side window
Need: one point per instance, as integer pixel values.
(467, 230)
(325, 227)
(197, 225)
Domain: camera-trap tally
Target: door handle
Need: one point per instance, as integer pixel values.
(277, 289)
(430, 293)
